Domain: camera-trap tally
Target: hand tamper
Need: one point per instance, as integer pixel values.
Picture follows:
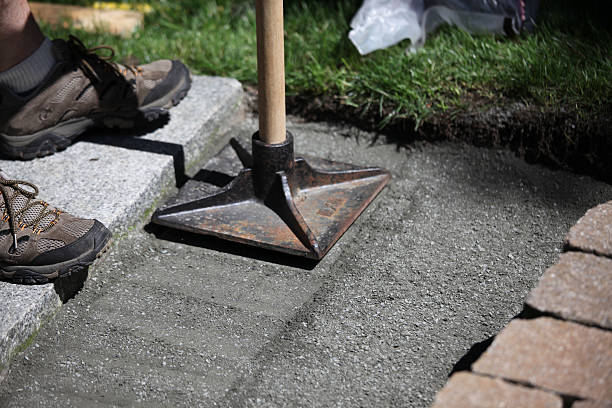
(277, 201)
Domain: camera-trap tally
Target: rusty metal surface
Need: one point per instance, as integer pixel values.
(304, 210)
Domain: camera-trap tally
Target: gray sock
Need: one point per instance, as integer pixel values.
(31, 71)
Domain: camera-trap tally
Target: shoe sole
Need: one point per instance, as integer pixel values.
(41, 274)
(60, 136)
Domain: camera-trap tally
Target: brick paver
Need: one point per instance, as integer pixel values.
(593, 232)
(552, 354)
(578, 287)
(475, 391)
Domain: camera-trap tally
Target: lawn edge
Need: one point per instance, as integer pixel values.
(558, 137)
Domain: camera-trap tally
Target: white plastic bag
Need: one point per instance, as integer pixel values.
(381, 23)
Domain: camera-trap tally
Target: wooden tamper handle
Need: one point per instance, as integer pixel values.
(271, 70)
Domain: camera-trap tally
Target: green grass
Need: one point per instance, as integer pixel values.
(566, 64)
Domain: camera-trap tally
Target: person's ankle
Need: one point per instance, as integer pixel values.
(30, 72)
(20, 35)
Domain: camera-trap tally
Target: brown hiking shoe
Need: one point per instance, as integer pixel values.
(39, 243)
(84, 90)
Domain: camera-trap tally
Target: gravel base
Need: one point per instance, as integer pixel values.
(441, 260)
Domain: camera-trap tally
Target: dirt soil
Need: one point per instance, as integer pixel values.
(559, 137)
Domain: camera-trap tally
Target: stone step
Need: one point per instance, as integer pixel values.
(116, 177)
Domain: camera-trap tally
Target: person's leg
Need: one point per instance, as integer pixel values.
(19, 33)
(37, 242)
(26, 56)
(53, 91)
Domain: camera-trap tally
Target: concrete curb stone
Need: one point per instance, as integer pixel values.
(116, 178)
(23, 310)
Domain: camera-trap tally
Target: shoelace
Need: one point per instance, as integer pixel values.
(11, 215)
(87, 58)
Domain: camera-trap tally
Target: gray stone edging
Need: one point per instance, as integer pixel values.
(116, 178)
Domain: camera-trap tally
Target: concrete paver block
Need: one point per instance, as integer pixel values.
(593, 232)
(552, 354)
(115, 178)
(578, 287)
(466, 390)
